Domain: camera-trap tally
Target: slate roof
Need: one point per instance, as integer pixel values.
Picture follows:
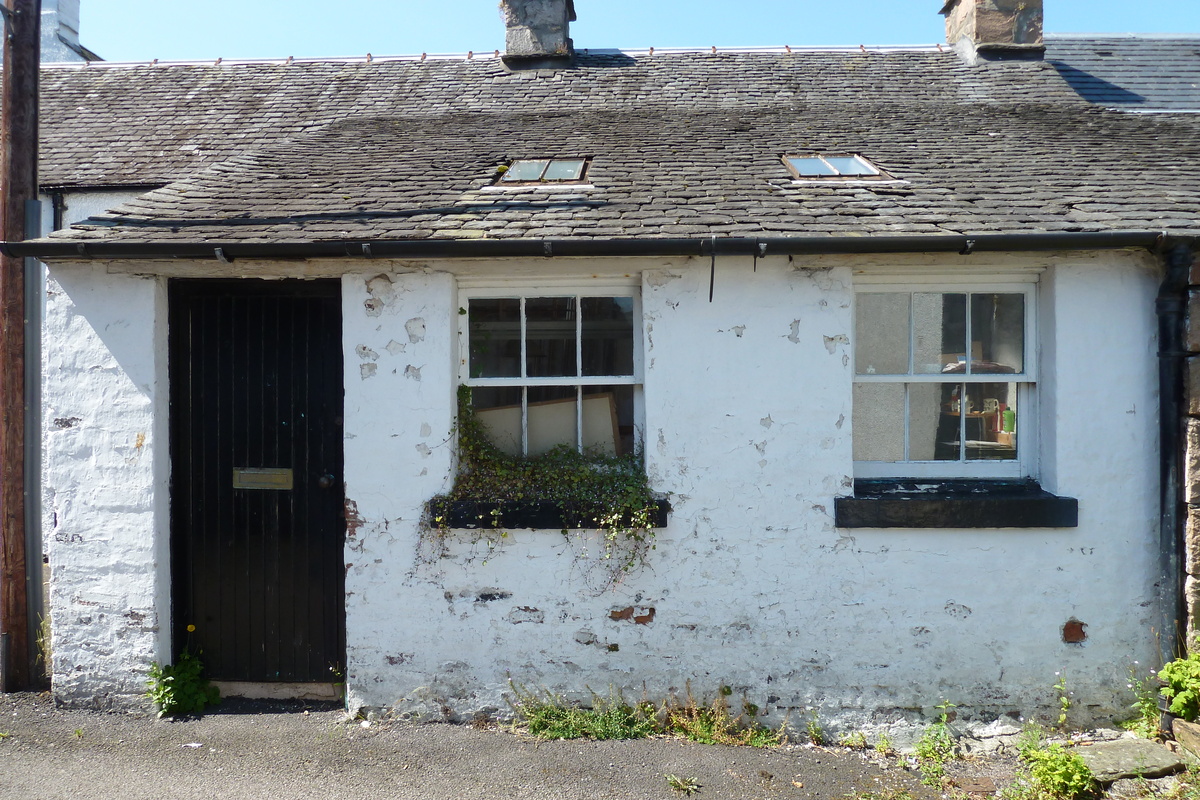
(683, 144)
(1132, 73)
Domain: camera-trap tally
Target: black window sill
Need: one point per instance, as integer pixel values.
(953, 504)
(534, 515)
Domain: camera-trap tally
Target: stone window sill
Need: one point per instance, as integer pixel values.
(954, 504)
(534, 515)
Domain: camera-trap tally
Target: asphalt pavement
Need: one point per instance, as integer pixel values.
(257, 751)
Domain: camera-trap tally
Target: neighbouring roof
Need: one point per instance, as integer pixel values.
(682, 144)
(1131, 73)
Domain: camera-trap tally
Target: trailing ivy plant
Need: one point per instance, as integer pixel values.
(590, 490)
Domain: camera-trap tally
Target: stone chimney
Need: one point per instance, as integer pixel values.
(538, 32)
(988, 30)
(60, 33)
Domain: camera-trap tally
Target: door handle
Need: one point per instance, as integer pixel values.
(326, 481)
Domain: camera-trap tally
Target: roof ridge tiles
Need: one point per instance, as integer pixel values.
(494, 55)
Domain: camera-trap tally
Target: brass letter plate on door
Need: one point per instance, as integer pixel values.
(262, 478)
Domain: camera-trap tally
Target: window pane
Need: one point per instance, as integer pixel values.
(550, 337)
(810, 167)
(851, 165)
(934, 409)
(553, 418)
(879, 422)
(499, 409)
(932, 433)
(881, 327)
(495, 338)
(564, 170)
(525, 170)
(608, 425)
(607, 335)
(992, 421)
(997, 333)
(939, 332)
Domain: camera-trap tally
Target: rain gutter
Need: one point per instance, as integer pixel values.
(225, 250)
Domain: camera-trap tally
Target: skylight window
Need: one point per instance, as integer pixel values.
(544, 170)
(833, 166)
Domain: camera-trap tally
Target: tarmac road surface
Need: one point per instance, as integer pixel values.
(248, 751)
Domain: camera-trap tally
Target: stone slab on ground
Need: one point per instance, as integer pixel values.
(1188, 735)
(1129, 758)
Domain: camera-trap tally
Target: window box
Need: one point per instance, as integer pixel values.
(535, 515)
(954, 504)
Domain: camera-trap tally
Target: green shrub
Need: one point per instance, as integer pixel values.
(1060, 773)
(1051, 772)
(1182, 686)
(181, 688)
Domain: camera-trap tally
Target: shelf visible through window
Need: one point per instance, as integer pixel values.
(942, 381)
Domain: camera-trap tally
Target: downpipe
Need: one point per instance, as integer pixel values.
(1171, 309)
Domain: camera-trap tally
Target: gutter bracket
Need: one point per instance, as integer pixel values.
(968, 248)
(219, 252)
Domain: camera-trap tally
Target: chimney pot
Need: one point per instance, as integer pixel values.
(995, 29)
(538, 31)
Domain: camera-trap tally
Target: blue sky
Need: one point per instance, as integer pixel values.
(141, 30)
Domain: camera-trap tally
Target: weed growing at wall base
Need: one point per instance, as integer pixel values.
(1052, 772)
(181, 688)
(549, 716)
(1145, 707)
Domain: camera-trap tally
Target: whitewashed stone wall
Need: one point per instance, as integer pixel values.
(747, 428)
(105, 481)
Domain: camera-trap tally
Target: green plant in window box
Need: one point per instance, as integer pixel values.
(589, 490)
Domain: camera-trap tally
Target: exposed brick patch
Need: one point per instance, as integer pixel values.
(639, 616)
(353, 520)
(1074, 631)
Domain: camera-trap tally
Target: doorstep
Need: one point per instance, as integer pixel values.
(331, 692)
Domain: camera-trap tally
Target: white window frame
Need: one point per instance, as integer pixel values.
(1025, 465)
(543, 288)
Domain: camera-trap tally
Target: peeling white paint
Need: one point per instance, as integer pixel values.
(832, 342)
(416, 330)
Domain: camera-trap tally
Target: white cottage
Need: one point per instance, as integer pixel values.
(880, 325)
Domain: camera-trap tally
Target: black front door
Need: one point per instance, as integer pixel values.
(257, 526)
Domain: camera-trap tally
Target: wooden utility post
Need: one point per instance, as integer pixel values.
(18, 186)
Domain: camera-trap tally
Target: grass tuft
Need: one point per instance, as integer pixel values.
(549, 716)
